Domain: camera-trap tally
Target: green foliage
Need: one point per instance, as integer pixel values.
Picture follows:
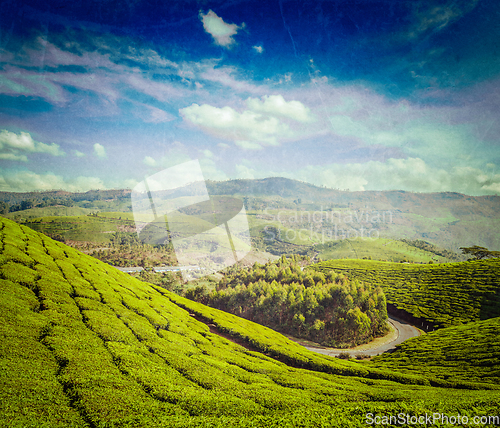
(480, 253)
(443, 294)
(325, 308)
(84, 345)
(385, 249)
(431, 248)
(469, 352)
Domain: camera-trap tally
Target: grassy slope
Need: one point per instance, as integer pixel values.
(82, 227)
(450, 220)
(376, 249)
(466, 352)
(444, 294)
(33, 213)
(83, 344)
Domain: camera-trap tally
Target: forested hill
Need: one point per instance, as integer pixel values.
(389, 199)
(301, 193)
(325, 308)
(448, 220)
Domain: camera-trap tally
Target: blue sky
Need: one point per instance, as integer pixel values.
(359, 95)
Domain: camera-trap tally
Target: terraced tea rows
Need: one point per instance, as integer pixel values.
(443, 294)
(466, 352)
(84, 345)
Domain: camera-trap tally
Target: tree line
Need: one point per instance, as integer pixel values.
(328, 309)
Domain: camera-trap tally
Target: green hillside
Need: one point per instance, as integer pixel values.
(465, 352)
(443, 294)
(84, 345)
(447, 219)
(307, 214)
(34, 213)
(83, 228)
(382, 249)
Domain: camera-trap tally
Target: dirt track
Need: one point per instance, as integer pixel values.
(403, 331)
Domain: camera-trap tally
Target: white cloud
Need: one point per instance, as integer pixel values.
(13, 157)
(148, 160)
(208, 153)
(151, 114)
(260, 125)
(410, 174)
(244, 172)
(242, 128)
(27, 181)
(176, 154)
(221, 32)
(79, 154)
(394, 174)
(275, 105)
(126, 184)
(105, 73)
(99, 151)
(248, 145)
(258, 49)
(211, 171)
(158, 90)
(15, 147)
(438, 17)
(225, 76)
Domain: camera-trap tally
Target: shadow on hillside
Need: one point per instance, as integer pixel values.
(490, 305)
(410, 319)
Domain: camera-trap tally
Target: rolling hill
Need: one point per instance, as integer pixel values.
(440, 294)
(84, 345)
(466, 352)
(385, 249)
(448, 220)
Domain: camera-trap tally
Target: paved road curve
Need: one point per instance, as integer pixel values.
(405, 331)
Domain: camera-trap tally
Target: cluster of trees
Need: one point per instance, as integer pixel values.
(171, 281)
(126, 250)
(31, 203)
(328, 309)
(11, 202)
(479, 253)
(423, 245)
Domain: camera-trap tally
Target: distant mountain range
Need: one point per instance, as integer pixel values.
(448, 219)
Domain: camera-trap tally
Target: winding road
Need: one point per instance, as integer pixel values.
(404, 331)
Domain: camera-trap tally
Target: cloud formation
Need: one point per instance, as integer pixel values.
(100, 151)
(221, 32)
(435, 18)
(247, 129)
(442, 144)
(264, 123)
(16, 146)
(98, 67)
(275, 105)
(149, 161)
(28, 181)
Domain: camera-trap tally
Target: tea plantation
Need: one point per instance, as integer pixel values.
(443, 294)
(468, 352)
(84, 345)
